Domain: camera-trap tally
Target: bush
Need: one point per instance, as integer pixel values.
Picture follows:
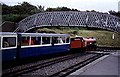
(13, 17)
(75, 32)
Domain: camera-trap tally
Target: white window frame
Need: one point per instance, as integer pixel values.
(41, 44)
(8, 47)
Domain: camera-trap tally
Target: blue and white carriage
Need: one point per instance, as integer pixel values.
(8, 45)
(24, 45)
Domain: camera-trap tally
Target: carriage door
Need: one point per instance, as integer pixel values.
(19, 40)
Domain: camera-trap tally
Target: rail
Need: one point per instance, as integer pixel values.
(16, 71)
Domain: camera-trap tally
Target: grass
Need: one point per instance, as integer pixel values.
(103, 37)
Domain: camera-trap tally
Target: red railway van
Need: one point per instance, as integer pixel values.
(77, 42)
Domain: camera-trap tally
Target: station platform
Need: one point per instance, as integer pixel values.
(106, 66)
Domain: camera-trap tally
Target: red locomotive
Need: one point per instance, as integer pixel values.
(80, 43)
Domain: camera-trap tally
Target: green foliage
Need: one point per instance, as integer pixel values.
(13, 17)
(6, 9)
(18, 12)
(75, 32)
(103, 37)
(23, 8)
(60, 9)
(115, 13)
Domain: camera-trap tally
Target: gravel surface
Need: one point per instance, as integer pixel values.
(49, 70)
(41, 67)
(26, 66)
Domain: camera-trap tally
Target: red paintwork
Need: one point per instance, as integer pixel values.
(78, 43)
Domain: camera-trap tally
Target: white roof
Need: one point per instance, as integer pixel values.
(35, 34)
(7, 34)
(44, 34)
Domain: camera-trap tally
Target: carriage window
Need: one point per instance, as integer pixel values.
(45, 40)
(9, 42)
(25, 41)
(37, 40)
(67, 40)
(55, 40)
(34, 41)
(61, 39)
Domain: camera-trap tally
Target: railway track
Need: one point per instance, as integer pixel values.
(60, 66)
(18, 70)
(107, 49)
(75, 67)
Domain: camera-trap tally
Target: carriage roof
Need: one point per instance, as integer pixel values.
(10, 34)
(35, 34)
(44, 34)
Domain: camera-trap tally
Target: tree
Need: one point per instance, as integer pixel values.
(74, 10)
(40, 8)
(93, 11)
(6, 9)
(18, 12)
(65, 9)
(114, 13)
(28, 8)
(60, 9)
(75, 32)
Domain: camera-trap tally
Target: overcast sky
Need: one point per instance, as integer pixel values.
(83, 5)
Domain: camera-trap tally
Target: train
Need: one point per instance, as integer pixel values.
(83, 43)
(16, 46)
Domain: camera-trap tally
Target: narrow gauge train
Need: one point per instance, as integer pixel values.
(24, 45)
(80, 43)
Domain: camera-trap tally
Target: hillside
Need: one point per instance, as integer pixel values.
(103, 37)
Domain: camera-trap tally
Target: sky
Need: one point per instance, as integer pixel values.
(82, 5)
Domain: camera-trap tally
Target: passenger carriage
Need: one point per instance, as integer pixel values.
(24, 45)
(8, 45)
(40, 44)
